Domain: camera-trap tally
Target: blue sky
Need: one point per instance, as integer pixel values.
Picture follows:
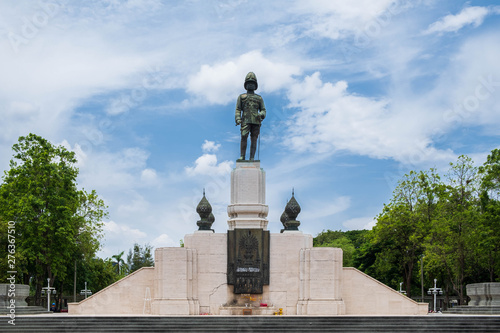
(357, 92)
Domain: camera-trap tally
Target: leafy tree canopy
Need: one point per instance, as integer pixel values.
(55, 223)
(139, 257)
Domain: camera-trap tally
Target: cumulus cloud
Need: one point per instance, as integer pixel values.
(210, 146)
(220, 83)
(339, 19)
(80, 155)
(113, 228)
(148, 176)
(122, 169)
(332, 119)
(116, 235)
(360, 223)
(468, 16)
(207, 165)
(469, 88)
(134, 204)
(164, 241)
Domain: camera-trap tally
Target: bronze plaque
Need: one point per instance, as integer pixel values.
(248, 260)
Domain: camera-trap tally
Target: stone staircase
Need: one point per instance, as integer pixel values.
(25, 310)
(474, 310)
(430, 323)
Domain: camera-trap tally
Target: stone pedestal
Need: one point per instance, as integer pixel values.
(176, 282)
(17, 292)
(484, 294)
(248, 209)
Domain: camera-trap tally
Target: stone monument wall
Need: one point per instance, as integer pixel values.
(193, 280)
(363, 295)
(303, 281)
(126, 296)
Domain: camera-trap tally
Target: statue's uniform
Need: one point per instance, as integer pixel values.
(250, 111)
(247, 111)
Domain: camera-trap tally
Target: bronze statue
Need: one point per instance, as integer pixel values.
(250, 111)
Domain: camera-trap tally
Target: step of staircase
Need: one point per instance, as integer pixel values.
(25, 310)
(468, 309)
(431, 323)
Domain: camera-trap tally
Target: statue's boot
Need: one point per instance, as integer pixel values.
(253, 147)
(243, 148)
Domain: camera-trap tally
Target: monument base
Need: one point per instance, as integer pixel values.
(175, 306)
(321, 307)
(248, 310)
(248, 197)
(302, 281)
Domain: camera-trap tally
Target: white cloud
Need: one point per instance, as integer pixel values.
(319, 210)
(80, 155)
(450, 23)
(124, 169)
(207, 165)
(339, 19)
(360, 223)
(468, 91)
(149, 176)
(134, 203)
(332, 119)
(113, 228)
(221, 83)
(210, 147)
(119, 237)
(164, 241)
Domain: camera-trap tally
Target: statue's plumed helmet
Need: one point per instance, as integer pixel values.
(251, 78)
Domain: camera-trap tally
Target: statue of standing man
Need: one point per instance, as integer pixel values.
(250, 111)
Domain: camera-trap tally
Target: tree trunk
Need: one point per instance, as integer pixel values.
(408, 279)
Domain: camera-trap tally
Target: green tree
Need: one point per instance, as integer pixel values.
(98, 273)
(139, 257)
(489, 238)
(90, 213)
(39, 193)
(326, 237)
(450, 246)
(454, 223)
(365, 257)
(119, 263)
(402, 227)
(347, 241)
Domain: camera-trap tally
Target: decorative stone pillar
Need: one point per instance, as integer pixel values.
(248, 209)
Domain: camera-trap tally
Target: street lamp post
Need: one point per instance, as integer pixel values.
(47, 290)
(422, 275)
(86, 292)
(401, 288)
(435, 291)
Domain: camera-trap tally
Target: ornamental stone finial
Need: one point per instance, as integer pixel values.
(204, 209)
(290, 214)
